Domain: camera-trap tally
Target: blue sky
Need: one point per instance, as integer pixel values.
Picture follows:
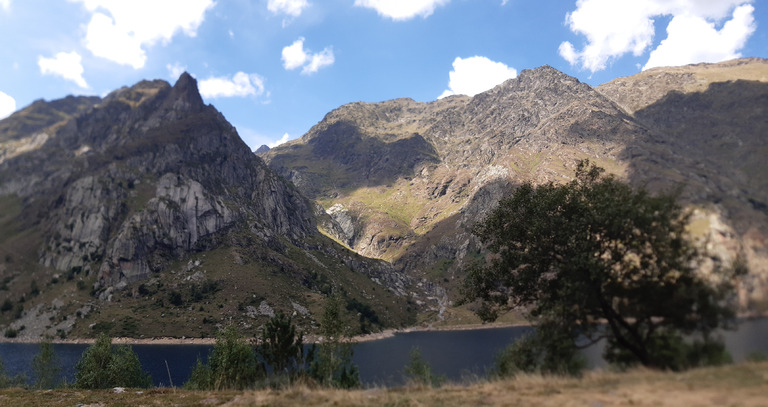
(274, 68)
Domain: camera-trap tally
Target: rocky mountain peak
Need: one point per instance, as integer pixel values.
(185, 95)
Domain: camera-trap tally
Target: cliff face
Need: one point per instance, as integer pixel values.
(696, 126)
(117, 192)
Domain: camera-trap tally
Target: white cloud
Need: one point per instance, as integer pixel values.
(694, 39)
(401, 10)
(5, 5)
(294, 56)
(292, 8)
(282, 140)
(473, 75)
(67, 65)
(175, 70)
(322, 59)
(614, 28)
(7, 105)
(120, 30)
(241, 84)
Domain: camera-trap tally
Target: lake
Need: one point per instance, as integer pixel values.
(455, 354)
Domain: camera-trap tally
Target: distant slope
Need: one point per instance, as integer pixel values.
(415, 206)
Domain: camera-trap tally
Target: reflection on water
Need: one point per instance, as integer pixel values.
(456, 354)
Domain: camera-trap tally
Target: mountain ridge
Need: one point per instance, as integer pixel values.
(534, 128)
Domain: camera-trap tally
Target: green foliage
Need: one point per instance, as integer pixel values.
(757, 356)
(46, 367)
(547, 350)
(233, 364)
(7, 306)
(103, 366)
(418, 371)
(367, 316)
(332, 359)
(281, 347)
(596, 251)
(7, 381)
(11, 333)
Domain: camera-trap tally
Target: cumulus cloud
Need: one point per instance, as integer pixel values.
(7, 105)
(241, 85)
(401, 10)
(292, 8)
(295, 56)
(67, 65)
(614, 28)
(473, 75)
(121, 30)
(694, 39)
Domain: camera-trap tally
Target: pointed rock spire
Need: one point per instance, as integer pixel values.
(185, 94)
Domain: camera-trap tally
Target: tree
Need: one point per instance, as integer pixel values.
(281, 347)
(595, 258)
(103, 366)
(332, 359)
(46, 367)
(233, 364)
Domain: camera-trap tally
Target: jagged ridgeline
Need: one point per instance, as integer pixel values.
(405, 181)
(144, 214)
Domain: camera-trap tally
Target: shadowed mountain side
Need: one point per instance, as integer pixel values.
(714, 145)
(341, 157)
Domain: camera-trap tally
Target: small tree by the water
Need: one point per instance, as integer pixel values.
(233, 364)
(282, 348)
(103, 366)
(46, 367)
(332, 365)
(418, 371)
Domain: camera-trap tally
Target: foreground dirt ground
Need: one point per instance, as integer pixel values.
(736, 385)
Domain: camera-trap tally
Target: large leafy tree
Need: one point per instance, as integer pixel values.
(597, 259)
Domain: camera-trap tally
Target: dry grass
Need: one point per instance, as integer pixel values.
(736, 385)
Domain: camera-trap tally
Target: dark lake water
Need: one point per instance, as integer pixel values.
(456, 354)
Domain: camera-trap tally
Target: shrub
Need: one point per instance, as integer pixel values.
(104, 366)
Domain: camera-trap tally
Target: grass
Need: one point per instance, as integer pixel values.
(735, 385)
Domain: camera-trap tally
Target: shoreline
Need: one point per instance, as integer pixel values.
(309, 339)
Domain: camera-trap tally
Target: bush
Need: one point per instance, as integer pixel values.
(547, 350)
(7, 306)
(104, 366)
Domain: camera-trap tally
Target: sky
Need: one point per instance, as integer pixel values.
(274, 68)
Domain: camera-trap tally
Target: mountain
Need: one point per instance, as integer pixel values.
(145, 214)
(405, 181)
